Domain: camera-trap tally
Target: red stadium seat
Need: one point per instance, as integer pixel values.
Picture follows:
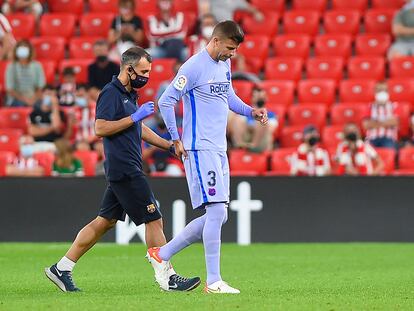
(149, 91)
(149, 6)
(96, 24)
(401, 90)
(57, 24)
(360, 5)
(344, 113)
(301, 22)
(267, 27)
(406, 158)
(15, 118)
(342, 21)
(241, 162)
(316, 5)
(325, 68)
(162, 69)
(49, 48)
(255, 49)
(6, 157)
(9, 140)
(49, 69)
(80, 66)
(366, 67)
(404, 112)
(82, 47)
(45, 160)
(293, 45)
(65, 6)
(333, 45)
(332, 136)
(307, 115)
(23, 25)
(372, 44)
(186, 6)
(280, 112)
(243, 89)
(291, 136)
(269, 5)
(357, 90)
(103, 6)
(388, 157)
(279, 92)
(280, 161)
(402, 67)
(89, 160)
(391, 4)
(378, 20)
(317, 91)
(284, 68)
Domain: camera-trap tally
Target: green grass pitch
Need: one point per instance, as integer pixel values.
(270, 277)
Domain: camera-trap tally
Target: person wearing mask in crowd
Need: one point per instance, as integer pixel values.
(310, 159)
(199, 41)
(356, 157)
(382, 123)
(67, 90)
(224, 9)
(25, 78)
(166, 32)
(246, 133)
(102, 70)
(86, 117)
(403, 31)
(7, 40)
(33, 7)
(66, 164)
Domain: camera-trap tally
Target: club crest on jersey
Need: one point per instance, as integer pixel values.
(228, 76)
(180, 82)
(151, 208)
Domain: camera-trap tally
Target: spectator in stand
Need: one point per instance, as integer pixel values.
(66, 165)
(403, 30)
(102, 70)
(86, 117)
(7, 40)
(356, 157)
(310, 159)
(166, 33)
(25, 6)
(382, 123)
(25, 78)
(224, 9)
(246, 133)
(205, 29)
(67, 90)
(99, 148)
(25, 165)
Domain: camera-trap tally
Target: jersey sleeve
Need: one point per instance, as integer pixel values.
(237, 105)
(106, 106)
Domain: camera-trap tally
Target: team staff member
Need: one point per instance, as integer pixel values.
(118, 121)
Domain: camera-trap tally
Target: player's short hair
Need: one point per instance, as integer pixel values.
(133, 55)
(229, 30)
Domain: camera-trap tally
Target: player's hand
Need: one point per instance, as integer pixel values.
(142, 112)
(179, 149)
(260, 114)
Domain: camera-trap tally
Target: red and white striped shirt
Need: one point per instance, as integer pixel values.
(5, 26)
(361, 160)
(25, 163)
(159, 30)
(306, 162)
(383, 113)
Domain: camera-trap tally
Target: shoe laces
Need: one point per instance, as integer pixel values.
(179, 279)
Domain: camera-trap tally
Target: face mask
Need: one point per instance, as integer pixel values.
(139, 81)
(260, 103)
(313, 140)
(81, 102)
(22, 52)
(165, 5)
(27, 150)
(47, 100)
(101, 58)
(382, 97)
(352, 137)
(207, 31)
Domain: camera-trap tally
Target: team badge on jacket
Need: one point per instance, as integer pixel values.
(151, 208)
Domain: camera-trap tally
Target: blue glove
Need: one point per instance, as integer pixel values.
(142, 112)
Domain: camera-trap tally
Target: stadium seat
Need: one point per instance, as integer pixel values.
(49, 69)
(149, 91)
(401, 90)
(344, 113)
(291, 136)
(279, 92)
(89, 160)
(15, 118)
(338, 45)
(378, 20)
(293, 45)
(280, 111)
(406, 159)
(49, 48)
(284, 68)
(45, 160)
(103, 6)
(23, 25)
(80, 66)
(366, 67)
(149, 6)
(391, 4)
(65, 6)
(357, 90)
(269, 5)
(325, 68)
(307, 115)
(301, 22)
(9, 140)
(280, 161)
(404, 112)
(82, 47)
(162, 69)
(186, 6)
(245, 162)
(342, 21)
(388, 157)
(402, 67)
(372, 44)
(360, 5)
(243, 89)
(317, 91)
(267, 27)
(255, 49)
(57, 24)
(6, 157)
(316, 5)
(96, 24)
(332, 136)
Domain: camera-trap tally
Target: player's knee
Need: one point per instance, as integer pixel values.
(217, 212)
(226, 216)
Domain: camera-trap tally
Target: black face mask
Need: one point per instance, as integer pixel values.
(139, 81)
(352, 137)
(313, 140)
(260, 103)
(101, 58)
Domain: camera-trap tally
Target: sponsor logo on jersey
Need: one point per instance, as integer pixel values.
(219, 88)
(180, 83)
(211, 191)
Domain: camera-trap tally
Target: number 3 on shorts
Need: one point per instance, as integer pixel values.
(212, 176)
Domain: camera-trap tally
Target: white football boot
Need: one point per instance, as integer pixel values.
(220, 287)
(161, 267)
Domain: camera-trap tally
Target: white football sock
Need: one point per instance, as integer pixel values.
(65, 264)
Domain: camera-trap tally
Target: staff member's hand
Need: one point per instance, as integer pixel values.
(260, 114)
(179, 149)
(142, 112)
